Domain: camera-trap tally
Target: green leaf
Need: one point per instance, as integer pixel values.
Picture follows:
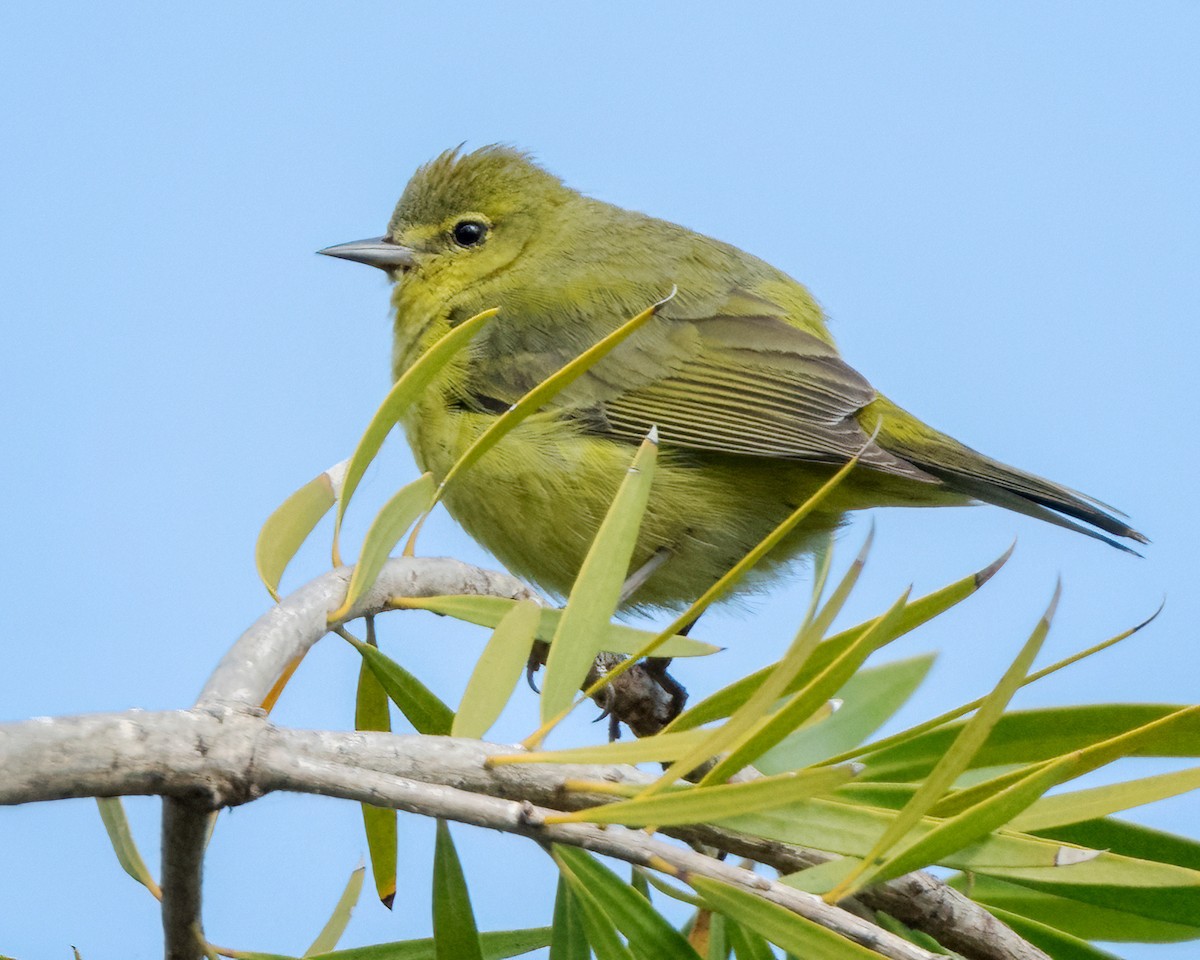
(956, 759)
(389, 525)
(850, 830)
(783, 928)
(744, 724)
(371, 713)
(601, 932)
(335, 926)
(1055, 943)
(455, 936)
(1130, 840)
(568, 941)
(703, 804)
(649, 936)
(1101, 801)
(410, 387)
(867, 701)
(1072, 916)
(805, 701)
(747, 944)
(489, 611)
(497, 945)
(597, 589)
(728, 699)
(660, 747)
(416, 701)
(291, 523)
(497, 671)
(112, 812)
(549, 388)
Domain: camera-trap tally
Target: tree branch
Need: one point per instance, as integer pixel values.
(221, 757)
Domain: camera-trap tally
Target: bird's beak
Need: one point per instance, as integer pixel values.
(377, 252)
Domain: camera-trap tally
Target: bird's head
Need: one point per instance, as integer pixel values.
(463, 217)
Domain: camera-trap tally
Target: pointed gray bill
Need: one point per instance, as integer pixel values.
(377, 252)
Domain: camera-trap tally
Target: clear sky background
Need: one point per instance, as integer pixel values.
(997, 204)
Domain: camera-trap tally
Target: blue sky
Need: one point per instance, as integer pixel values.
(997, 205)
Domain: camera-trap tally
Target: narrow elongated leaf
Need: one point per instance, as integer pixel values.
(866, 701)
(851, 830)
(783, 928)
(703, 804)
(496, 944)
(725, 701)
(960, 831)
(747, 943)
(1072, 916)
(291, 523)
(569, 940)
(1027, 736)
(722, 586)
(599, 927)
(956, 759)
(1101, 801)
(597, 589)
(411, 385)
(889, 749)
(1130, 840)
(489, 611)
(335, 926)
(371, 713)
(545, 391)
(753, 743)
(112, 812)
(742, 725)
(1055, 943)
(389, 525)
(497, 671)
(1070, 765)
(416, 701)
(455, 936)
(648, 934)
(661, 747)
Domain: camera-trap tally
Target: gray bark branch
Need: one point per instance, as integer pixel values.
(224, 752)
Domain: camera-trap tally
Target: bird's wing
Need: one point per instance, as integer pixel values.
(738, 380)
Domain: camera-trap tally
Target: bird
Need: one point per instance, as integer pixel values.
(737, 373)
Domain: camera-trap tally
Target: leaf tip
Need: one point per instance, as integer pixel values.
(986, 574)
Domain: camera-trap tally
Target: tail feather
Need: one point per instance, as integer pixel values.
(981, 477)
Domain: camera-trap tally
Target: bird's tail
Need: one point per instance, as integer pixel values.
(981, 477)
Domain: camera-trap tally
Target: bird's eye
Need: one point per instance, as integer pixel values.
(469, 233)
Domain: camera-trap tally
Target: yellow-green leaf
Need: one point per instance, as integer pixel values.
(416, 701)
(389, 525)
(455, 936)
(648, 934)
(705, 804)
(411, 385)
(332, 932)
(1101, 801)
(112, 812)
(597, 589)
(865, 702)
(792, 932)
(770, 730)
(726, 700)
(371, 713)
(545, 391)
(291, 523)
(489, 611)
(497, 671)
(660, 747)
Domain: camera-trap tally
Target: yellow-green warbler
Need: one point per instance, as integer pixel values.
(754, 407)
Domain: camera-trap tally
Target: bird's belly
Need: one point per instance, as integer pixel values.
(536, 500)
